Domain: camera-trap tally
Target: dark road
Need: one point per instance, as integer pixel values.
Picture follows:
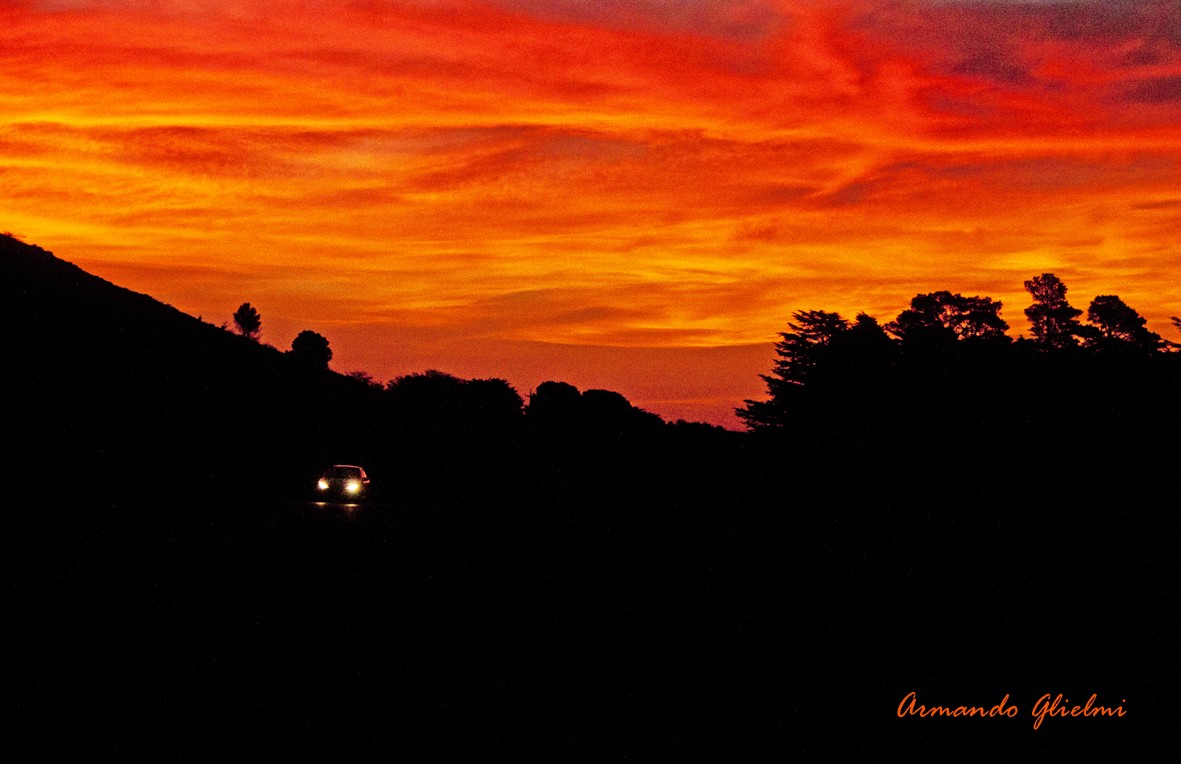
(543, 630)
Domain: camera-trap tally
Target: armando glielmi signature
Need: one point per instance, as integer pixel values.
(1047, 705)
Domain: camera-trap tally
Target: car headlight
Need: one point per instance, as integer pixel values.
(352, 486)
(322, 484)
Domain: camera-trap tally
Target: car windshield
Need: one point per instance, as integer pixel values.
(341, 473)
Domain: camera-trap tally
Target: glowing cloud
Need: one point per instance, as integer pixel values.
(502, 188)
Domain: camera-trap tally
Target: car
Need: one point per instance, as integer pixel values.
(343, 481)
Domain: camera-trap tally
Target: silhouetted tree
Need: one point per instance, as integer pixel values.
(311, 350)
(559, 409)
(609, 410)
(493, 400)
(1053, 321)
(441, 405)
(799, 354)
(553, 401)
(366, 379)
(939, 318)
(1116, 326)
(864, 349)
(801, 349)
(431, 379)
(247, 321)
(922, 324)
(429, 400)
(1169, 344)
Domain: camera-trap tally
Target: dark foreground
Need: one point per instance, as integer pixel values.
(597, 630)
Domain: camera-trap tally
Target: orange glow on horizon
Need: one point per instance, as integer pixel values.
(630, 194)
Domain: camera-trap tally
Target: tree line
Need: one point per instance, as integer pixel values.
(450, 402)
(940, 333)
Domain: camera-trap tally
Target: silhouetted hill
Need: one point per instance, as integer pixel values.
(109, 389)
(113, 388)
(114, 391)
(965, 531)
(69, 325)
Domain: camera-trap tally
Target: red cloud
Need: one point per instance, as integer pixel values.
(665, 174)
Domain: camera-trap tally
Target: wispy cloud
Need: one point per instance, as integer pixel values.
(648, 174)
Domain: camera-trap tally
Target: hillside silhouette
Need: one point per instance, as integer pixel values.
(116, 392)
(108, 383)
(923, 506)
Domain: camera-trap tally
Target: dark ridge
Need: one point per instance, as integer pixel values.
(106, 384)
(569, 578)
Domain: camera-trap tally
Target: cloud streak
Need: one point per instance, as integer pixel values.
(624, 174)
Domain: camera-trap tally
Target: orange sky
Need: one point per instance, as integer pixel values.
(625, 194)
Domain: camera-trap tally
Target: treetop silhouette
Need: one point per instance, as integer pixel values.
(1117, 326)
(311, 350)
(946, 350)
(247, 321)
(815, 338)
(1053, 320)
(942, 317)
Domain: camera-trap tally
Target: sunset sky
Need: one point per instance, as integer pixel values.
(625, 194)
